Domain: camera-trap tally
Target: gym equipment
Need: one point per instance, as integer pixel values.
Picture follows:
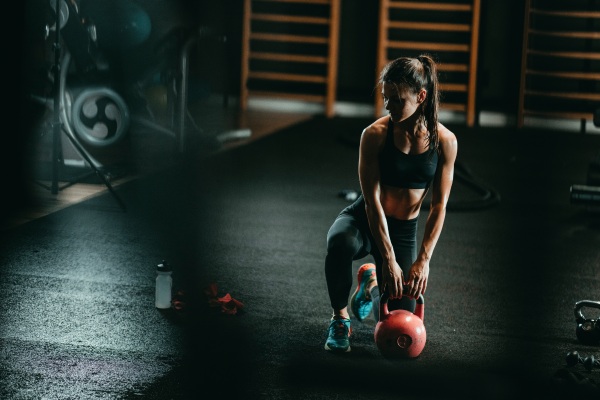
(120, 24)
(573, 358)
(489, 197)
(72, 27)
(588, 194)
(107, 53)
(585, 194)
(100, 116)
(588, 330)
(400, 333)
(348, 194)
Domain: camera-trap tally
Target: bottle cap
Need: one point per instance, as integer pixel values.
(163, 267)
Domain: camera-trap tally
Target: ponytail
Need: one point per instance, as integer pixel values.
(432, 101)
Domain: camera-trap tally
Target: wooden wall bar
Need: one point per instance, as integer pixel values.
(560, 70)
(290, 51)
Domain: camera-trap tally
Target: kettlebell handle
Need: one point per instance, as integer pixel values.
(419, 309)
(584, 303)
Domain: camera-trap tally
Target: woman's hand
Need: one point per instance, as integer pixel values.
(392, 279)
(416, 281)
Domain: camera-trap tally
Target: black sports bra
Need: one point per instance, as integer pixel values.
(398, 169)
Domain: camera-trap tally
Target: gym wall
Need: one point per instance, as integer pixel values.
(501, 29)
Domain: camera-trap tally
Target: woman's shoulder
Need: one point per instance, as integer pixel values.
(373, 136)
(377, 128)
(445, 134)
(448, 141)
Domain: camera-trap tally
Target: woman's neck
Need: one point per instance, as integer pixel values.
(411, 127)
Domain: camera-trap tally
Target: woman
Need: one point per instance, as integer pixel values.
(401, 157)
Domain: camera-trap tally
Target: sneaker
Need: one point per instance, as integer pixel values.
(338, 337)
(360, 303)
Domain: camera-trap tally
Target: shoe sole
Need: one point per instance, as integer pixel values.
(361, 271)
(337, 351)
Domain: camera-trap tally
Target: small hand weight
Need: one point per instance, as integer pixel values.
(589, 362)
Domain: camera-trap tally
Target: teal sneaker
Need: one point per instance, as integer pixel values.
(360, 303)
(338, 335)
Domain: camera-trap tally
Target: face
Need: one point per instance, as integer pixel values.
(402, 103)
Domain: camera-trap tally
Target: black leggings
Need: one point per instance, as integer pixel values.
(349, 239)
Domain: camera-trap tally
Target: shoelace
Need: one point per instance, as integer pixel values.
(340, 329)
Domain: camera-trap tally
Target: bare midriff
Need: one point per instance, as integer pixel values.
(401, 203)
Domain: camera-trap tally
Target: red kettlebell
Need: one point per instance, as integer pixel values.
(400, 333)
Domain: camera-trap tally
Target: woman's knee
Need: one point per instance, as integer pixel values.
(342, 243)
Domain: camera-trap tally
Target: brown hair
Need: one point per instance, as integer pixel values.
(416, 74)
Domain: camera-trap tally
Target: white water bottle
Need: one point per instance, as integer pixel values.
(164, 284)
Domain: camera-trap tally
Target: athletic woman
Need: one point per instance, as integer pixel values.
(401, 157)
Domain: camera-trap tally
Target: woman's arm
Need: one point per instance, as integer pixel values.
(371, 141)
(416, 281)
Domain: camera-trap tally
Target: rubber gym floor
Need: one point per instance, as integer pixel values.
(77, 286)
